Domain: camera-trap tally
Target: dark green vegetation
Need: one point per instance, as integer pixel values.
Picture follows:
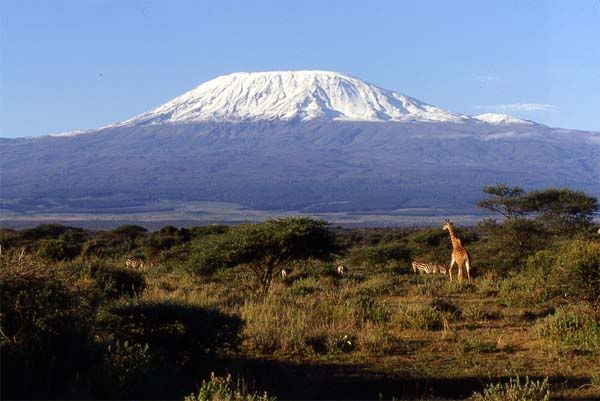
(77, 324)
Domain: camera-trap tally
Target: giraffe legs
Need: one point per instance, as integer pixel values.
(460, 271)
(468, 267)
(450, 268)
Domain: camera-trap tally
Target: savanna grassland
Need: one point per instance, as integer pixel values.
(77, 323)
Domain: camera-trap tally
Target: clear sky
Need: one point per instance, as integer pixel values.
(69, 65)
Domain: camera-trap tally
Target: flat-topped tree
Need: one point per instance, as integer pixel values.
(265, 248)
(508, 201)
(561, 209)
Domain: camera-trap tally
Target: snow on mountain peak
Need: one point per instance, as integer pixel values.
(501, 119)
(288, 95)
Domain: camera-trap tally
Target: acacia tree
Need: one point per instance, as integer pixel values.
(508, 201)
(266, 247)
(561, 209)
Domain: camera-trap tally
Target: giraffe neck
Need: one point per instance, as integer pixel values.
(455, 241)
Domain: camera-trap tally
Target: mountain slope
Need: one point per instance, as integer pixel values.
(355, 150)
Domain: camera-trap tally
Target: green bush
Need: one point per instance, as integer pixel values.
(571, 326)
(505, 247)
(571, 270)
(524, 289)
(371, 310)
(305, 286)
(418, 317)
(224, 389)
(380, 254)
(515, 391)
(576, 273)
(115, 282)
(47, 324)
(127, 366)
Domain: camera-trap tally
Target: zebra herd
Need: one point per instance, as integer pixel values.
(417, 267)
(429, 268)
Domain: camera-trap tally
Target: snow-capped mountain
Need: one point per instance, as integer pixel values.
(295, 140)
(501, 119)
(289, 95)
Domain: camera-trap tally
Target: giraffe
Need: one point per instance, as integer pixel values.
(460, 255)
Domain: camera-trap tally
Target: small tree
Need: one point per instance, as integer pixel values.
(130, 232)
(504, 200)
(265, 247)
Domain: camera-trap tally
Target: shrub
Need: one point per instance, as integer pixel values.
(52, 249)
(46, 325)
(380, 254)
(224, 389)
(576, 273)
(305, 286)
(127, 365)
(524, 289)
(515, 391)
(418, 317)
(376, 286)
(115, 282)
(571, 326)
(505, 247)
(372, 310)
(445, 307)
(175, 331)
(476, 313)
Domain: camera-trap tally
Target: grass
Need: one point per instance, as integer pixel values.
(379, 328)
(388, 323)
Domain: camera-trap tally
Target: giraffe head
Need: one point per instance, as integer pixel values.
(447, 225)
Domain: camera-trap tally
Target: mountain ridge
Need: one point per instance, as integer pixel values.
(309, 165)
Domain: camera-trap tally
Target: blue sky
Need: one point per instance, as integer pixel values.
(68, 65)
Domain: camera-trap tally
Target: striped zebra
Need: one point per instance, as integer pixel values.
(134, 263)
(429, 268)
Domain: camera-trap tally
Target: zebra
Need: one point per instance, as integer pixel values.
(429, 268)
(134, 263)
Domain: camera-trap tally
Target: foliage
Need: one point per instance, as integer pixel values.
(46, 326)
(531, 390)
(561, 209)
(371, 310)
(419, 317)
(571, 326)
(54, 249)
(572, 270)
(265, 248)
(224, 389)
(505, 247)
(130, 230)
(369, 255)
(116, 282)
(508, 201)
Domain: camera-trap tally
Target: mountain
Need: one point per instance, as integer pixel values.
(293, 140)
(291, 95)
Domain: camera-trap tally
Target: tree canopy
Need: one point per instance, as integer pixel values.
(504, 200)
(265, 247)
